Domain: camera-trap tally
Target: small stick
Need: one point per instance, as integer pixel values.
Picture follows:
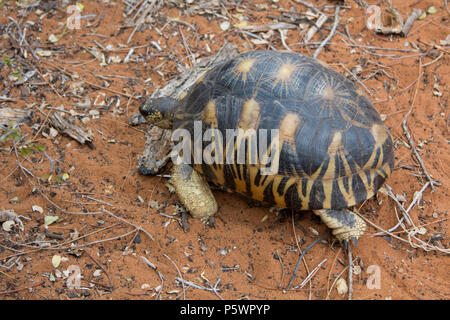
(431, 62)
(86, 81)
(413, 147)
(156, 45)
(141, 19)
(334, 282)
(151, 265)
(283, 40)
(301, 257)
(417, 196)
(350, 273)
(300, 250)
(311, 274)
(179, 273)
(408, 135)
(23, 39)
(193, 285)
(53, 235)
(404, 212)
(186, 46)
(73, 131)
(267, 27)
(101, 201)
(196, 286)
(110, 287)
(331, 269)
(410, 21)
(127, 57)
(84, 236)
(21, 289)
(424, 245)
(91, 243)
(309, 5)
(282, 269)
(331, 34)
(349, 36)
(2, 98)
(362, 3)
(247, 33)
(183, 22)
(26, 172)
(129, 223)
(312, 31)
(160, 275)
(357, 80)
(382, 49)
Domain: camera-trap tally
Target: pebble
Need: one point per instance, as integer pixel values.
(341, 286)
(225, 25)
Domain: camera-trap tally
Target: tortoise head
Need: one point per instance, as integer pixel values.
(159, 111)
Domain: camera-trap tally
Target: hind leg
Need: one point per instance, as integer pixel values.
(346, 226)
(193, 191)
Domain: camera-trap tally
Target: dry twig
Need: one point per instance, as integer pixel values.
(331, 34)
(410, 21)
(179, 273)
(196, 286)
(350, 273)
(313, 30)
(289, 286)
(73, 131)
(408, 135)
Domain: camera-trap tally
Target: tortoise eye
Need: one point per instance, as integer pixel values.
(154, 117)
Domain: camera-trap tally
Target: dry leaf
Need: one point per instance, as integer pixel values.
(225, 25)
(341, 286)
(48, 220)
(56, 260)
(8, 225)
(37, 209)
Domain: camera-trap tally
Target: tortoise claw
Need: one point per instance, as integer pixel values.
(345, 244)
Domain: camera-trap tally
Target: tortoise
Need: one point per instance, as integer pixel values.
(330, 147)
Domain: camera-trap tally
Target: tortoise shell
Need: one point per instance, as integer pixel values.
(334, 149)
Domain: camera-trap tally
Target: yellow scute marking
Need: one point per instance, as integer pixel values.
(328, 93)
(288, 128)
(379, 134)
(285, 72)
(209, 114)
(250, 115)
(246, 65)
(336, 143)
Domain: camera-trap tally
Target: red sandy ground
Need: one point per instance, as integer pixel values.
(251, 250)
